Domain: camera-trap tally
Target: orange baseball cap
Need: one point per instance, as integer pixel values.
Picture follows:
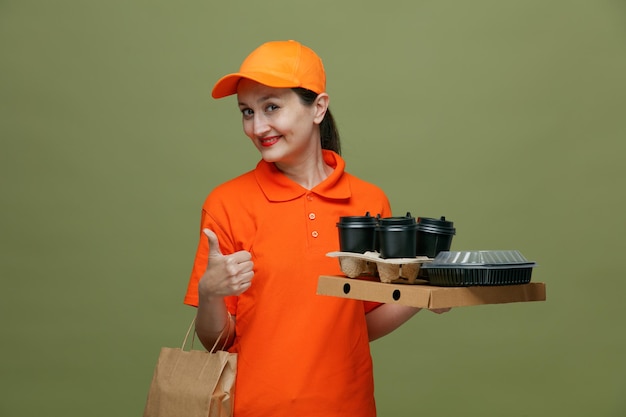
(280, 64)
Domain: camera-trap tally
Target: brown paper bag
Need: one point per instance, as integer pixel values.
(192, 383)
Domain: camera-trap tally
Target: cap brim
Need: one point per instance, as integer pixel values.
(227, 85)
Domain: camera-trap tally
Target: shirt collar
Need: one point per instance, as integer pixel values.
(278, 187)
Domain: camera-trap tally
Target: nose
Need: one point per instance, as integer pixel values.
(261, 126)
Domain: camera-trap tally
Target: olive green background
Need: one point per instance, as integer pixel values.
(507, 117)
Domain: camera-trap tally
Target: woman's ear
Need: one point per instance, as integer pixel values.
(320, 105)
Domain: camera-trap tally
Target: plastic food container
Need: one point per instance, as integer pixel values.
(484, 267)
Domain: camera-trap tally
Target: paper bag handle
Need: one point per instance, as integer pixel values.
(225, 329)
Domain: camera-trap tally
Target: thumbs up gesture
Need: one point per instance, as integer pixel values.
(225, 274)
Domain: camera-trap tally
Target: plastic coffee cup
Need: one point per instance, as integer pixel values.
(397, 236)
(433, 236)
(357, 233)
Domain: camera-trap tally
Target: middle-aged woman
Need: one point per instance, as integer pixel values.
(265, 235)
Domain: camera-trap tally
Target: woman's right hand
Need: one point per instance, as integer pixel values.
(225, 274)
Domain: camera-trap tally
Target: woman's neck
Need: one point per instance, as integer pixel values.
(308, 172)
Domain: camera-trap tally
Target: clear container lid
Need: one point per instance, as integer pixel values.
(480, 259)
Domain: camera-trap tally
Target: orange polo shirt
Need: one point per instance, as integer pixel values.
(299, 354)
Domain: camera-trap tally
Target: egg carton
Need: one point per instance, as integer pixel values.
(404, 270)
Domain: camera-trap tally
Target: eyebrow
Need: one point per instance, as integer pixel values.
(262, 99)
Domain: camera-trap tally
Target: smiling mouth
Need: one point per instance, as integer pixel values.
(269, 141)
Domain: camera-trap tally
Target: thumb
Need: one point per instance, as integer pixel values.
(214, 244)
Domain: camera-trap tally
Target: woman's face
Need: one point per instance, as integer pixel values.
(281, 127)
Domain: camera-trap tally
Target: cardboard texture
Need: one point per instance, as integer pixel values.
(354, 265)
(428, 296)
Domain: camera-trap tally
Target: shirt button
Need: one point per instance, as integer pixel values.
(314, 233)
(312, 216)
(309, 197)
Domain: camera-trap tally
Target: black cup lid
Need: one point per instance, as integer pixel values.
(397, 221)
(366, 220)
(436, 225)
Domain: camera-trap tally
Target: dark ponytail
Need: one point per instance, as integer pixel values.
(328, 129)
